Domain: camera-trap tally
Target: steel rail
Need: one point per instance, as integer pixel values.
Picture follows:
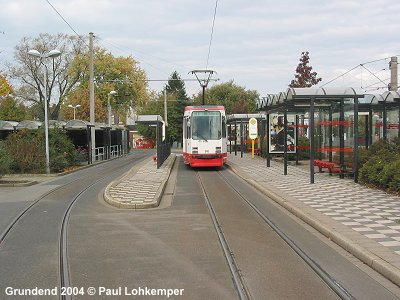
(64, 270)
(10, 226)
(63, 263)
(331, 282)
(63, 251)
(236, 276)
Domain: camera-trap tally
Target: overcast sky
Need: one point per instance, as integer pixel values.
(255, 43)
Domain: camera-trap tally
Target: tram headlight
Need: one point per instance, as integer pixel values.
(195, 150)
(218, 150)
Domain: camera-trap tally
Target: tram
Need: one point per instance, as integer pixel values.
(204, 136)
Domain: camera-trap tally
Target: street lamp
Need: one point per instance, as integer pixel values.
(53, 54)
(74, 107)
(112, 93)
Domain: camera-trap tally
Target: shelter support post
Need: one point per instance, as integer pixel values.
(355, 150)
(330, 133)
(370, 126)
(158, 144)
(285, 154)
(341, 136)
(398, 123)
(268, 141)
(241, 139)
(235, 138)
(297, 139)
(367, 132)
(230, 138)
(319, 132)
(311, 132)
(89, 144)
(384, 121)
(107, 143)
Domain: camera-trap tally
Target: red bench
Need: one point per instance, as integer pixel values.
(332, 167)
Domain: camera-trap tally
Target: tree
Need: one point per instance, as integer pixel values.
(81, 96)
(11, 110)
(176, 92)
(304, 76)
(120, 74)
(60, 79)
(235, 98)
(176, 87)
(177, 99)
(5, 87)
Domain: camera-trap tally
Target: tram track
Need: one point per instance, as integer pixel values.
(233, 268)
(63, 251)
(64, 279)
(323, 274)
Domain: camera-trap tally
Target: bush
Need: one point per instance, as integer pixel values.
(62, 150)
(380, 165)
(26, 151)
(5, 159)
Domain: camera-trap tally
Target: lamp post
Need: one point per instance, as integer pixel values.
(53, 54)
(112, 93)
(74, 107)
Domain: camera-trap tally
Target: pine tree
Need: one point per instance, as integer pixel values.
(176, 92)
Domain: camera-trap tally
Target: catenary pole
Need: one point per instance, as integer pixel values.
(91, 97)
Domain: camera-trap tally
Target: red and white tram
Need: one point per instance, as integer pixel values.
(204, 136)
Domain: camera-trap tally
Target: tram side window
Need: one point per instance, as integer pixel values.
(188, 129)
(223, 127)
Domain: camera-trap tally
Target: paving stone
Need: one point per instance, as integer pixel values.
(370, 212)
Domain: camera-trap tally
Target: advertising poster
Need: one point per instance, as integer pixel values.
(276, 134)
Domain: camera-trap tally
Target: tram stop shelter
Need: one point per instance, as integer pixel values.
(237, 125)
(162, 144)
(6, 127)
(337, 121)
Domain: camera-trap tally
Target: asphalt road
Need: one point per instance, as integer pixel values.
(119, 251)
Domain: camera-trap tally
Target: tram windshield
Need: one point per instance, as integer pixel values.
(206, 125)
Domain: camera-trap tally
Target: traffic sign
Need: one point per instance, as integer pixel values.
(253, 128)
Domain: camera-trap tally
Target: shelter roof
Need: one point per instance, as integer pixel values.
(8, 125)
(29, 124)
(56, 123)
(244, 117)
(293, 93)
(149, 119)
(77, 124)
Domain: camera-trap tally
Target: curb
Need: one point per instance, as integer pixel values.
(169, 163)
(373, 261)
(9, 183)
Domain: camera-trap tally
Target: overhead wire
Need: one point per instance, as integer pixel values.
(359, 65)
(114, 45)
(372, 73)
(212, 33)
(131, 51)
(66, 22)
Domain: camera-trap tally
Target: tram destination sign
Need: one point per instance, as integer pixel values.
(253, 128)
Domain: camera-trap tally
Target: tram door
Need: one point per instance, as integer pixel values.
(187, 135)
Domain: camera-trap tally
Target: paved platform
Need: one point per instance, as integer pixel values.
(141, 187)
(364, 221)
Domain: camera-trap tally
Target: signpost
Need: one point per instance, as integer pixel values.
(253, 128)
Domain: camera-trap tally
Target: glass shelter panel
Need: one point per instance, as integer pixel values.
(276, 134)
(392, 123)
